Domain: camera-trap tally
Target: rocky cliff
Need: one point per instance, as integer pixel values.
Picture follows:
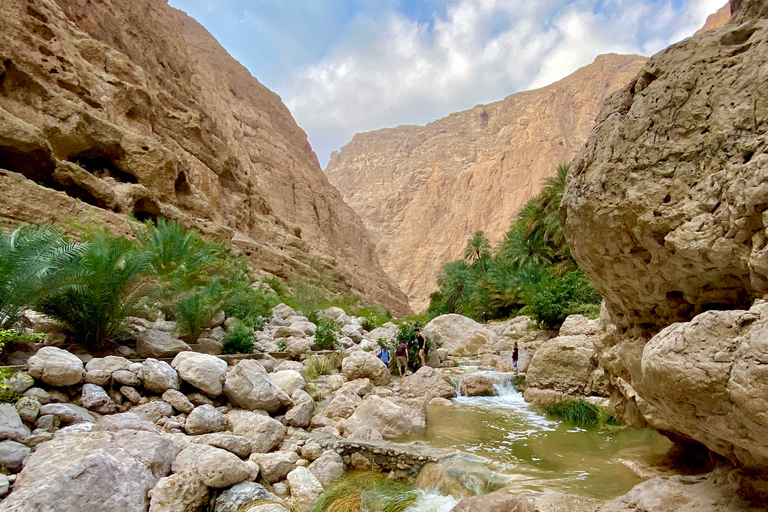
(716, 20)
(422, 191)
(666, 210)
(109, 108)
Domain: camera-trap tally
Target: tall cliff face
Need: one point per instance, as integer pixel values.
(666, 210)
(716, 20)
(424, 190)
(133, 107)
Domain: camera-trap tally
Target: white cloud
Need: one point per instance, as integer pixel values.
(386, 69)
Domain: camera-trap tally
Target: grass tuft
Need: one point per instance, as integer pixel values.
(581, 413)
(316, 366)
(367, 492)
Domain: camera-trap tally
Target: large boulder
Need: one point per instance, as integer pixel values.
(248, 385)
(428, 383)
(92, 472)
(155, 343)
(575, 325)
(56, 367)
(305, 488)
(460, 335)
(288, 380)
(381, 414)
(204, 420)
(342, 405)
(328, 468)
(219, 468)
(235, 498)
(564, 365)
(109, 364)
(238, 445)
(300, 413)
(12, 455)
(283, 311)
(359, 365)
(477, 385)
(158, 376)
(276, 465)
(96, 399)
(203, 371)
(263, 432)
(11, 426)
(182, 492)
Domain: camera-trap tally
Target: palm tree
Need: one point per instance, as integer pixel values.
(456, 282)
(195, 313)
(102, 285)
(520, 249)
(30, 258)
(478, 249)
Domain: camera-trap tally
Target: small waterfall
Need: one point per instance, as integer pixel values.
(433, 502)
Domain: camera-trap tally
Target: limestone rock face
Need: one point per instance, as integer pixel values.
(716, 20)
(92, 472)
(460, 335)
(665, 210)
(111, 108)
(422, 191)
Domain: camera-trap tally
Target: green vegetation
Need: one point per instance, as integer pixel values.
(325, 365)
(519, 382)
(30, 259)
(239, 339)
(104, 283)
(581, 413)
(407, 334)
(369, 492)
(531, 271)
(325, 335)
(9, 338)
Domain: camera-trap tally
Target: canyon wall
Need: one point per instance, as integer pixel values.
(666, 210)
(422, 191)
(110, 108)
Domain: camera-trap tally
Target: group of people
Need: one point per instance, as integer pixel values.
(401, 353)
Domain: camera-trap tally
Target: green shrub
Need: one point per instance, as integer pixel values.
(276, 284)
(31, 258)
(249, 306)
(554, 299)
(373, 316)
(407, 334)
(196, 312)
(239, 339)
(581, 413)
(325, 335)
(103, 284)
(280, 345)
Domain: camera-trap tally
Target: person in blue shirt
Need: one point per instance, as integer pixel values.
(384, 354)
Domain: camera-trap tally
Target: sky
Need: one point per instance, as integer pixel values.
(348, 66)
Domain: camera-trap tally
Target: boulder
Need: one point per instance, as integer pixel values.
(96, 399)
(575, 325)
(68, 413)
(219, 468)
(502, 501)
(388, 331)
(153, 411)
(366, 433)
(203, 371)
(457, 476)
(158, 376)
(563, 364)
(275, 466)
(97, 377)
(92, 472)
(297, 346)
(237, 497)
(328, 468)
(353, 332)
(382, 414)
(178, 401)
(477, 385)
(123, 421)
(56, 367)
(126, 378)
(289, 365)
(156, 343)
(460, 335)
(238, 445)
(12, 455)
(131, 394)
(263, 432)
(336, 381)
(300, 413)
(20, 382)
(28, 408)
(182, 492)
(305, 488)
(308, 328)
(342, 405)
(11, 426)
(288, 331)
(428, 383)
(288, 380)
(248, 385)
(359, 365)
(205, 419)
(283, 311)
(360, 387)
(109, 364)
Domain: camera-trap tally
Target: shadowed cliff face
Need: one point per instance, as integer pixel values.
(133, 107)
(424, 190)
(666, 210)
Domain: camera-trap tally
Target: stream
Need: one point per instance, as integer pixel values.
(535, 453)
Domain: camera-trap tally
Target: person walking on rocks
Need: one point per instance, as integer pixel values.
(422, 341)
(514, 356)
(401, 358)
(384, 354)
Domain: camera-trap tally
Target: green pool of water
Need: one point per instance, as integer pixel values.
(537, 454)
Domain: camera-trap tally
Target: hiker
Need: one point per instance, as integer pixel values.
(384, 354)
(485, 317)
(514, 356)
(422, 341)
(401, 358)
